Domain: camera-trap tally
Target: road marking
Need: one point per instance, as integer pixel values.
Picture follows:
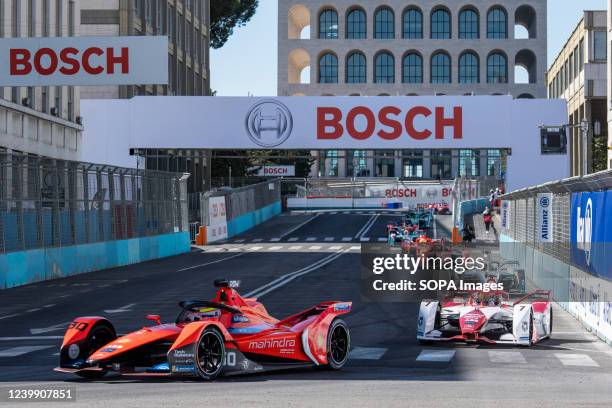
(315, 247)
(438, 356)
(9, 316)
(335, 248)
(215, 250)
(345, 212)
(36, 309)
(18, 338)
(55, 327)
(364, 239)
(366, 227)
(275, 248)
(334, 213)
(275, 239)
(122, 309)
(239, 241)
(295, 247)
(367, 353)
(297, 227)
(21, 350)
(311, 239)
(292, 239)
(347, 239)
(507, 357)
(355, 248)
(257, 240)
(329, 239)
(51, 305)
(382, 239)
(255, 248)
(233, 249)
(285, 279)
(211, 263)
(576, 360)
(102, 286)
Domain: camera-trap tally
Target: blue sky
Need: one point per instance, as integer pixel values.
(247, 63)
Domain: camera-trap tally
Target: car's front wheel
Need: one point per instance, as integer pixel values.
(210, 353)
(98, 337)
(338, 344)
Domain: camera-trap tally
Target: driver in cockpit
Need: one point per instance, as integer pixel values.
(196, 315)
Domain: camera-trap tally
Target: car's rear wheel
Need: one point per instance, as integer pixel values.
(338, 344)
(99, 336)
(550, 323)
(210, 353)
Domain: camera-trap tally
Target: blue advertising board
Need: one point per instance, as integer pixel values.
(591, 232)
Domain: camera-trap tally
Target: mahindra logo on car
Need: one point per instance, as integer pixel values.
(389, 123)
(272, 343)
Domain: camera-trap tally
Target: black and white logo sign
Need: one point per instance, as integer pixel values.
(269, 123)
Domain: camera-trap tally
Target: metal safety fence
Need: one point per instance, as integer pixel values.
(522, 214)
(243, 200)
(48, 202)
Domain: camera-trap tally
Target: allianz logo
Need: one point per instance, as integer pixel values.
(584, 229)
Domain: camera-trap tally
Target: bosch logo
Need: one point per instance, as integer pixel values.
(544, 202)
(431, 192)
(269, 123)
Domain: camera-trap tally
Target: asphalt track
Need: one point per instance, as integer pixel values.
(388, 367)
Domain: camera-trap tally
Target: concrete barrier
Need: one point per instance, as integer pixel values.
(247, 221)
(23, 267)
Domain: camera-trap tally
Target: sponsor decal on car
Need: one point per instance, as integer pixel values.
(342, 306)
(283, 343)
(183, 369)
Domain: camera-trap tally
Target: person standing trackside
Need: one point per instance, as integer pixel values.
(487, 218)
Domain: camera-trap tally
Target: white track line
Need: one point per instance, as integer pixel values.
(21, 350)
(576, 360)
(17, 338)
(297, 227)
(367, 226)
(285, 279)
(210, 263)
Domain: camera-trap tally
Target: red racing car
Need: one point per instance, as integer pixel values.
(228, 335)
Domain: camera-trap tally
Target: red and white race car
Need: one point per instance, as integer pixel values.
(488, 317)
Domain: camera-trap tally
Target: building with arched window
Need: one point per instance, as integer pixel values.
(405, 48)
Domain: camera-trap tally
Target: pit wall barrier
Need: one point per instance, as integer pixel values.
(21, 268)
(586, 297)
(468, 208)
(241, 223)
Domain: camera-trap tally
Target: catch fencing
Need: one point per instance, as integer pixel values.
(47, 203)
(522, 214)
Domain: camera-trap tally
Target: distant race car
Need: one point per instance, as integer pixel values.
(440, 209)
(488, 317)
(228, 335)
(424, 245)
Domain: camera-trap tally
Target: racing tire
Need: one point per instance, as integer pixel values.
(530, 330)
(210, 354)
(550, 324)
(100, 335)
(338, 344)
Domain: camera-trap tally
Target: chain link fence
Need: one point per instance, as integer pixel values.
(52, 203)
(522, 212)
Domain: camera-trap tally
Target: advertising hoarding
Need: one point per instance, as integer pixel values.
(274, 170)
(47, 61)
(544, 217)
(591, 232)
(216, 230)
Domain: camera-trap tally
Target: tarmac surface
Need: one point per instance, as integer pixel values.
(387, 366)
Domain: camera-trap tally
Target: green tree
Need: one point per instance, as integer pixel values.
(227, 14)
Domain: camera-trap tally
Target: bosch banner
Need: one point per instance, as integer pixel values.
(591, 232)
(274, 170)
(544, 217)
(45, 61)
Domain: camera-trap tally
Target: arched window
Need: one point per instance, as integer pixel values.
(469, 24)
(412, 69)
(356, 24)
(497, 23)
(384, 24)
(440, 24)
(413, 24)
(328, 24)
(468, 68)
(356, 71)
(440, 68)
(328, 69)
(497, 68)
(385, 68)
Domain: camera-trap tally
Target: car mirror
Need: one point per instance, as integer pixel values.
(154, 318)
